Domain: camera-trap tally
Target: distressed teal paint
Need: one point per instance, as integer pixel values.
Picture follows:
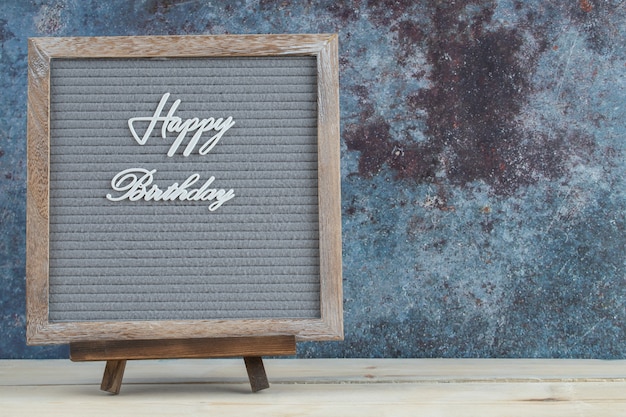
(482, 165)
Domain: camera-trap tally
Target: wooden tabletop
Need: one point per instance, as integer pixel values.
(319, 387)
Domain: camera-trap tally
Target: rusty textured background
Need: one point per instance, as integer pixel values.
(482, 165)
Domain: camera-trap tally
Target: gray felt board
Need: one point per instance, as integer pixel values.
(255, 256)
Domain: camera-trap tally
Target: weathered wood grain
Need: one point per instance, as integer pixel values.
(329, 180)
(37, 215)
(183, 46)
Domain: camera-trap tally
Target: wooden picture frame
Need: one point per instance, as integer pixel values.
(43, 51)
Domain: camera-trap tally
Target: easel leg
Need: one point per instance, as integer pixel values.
(113, 375)
(256, 373)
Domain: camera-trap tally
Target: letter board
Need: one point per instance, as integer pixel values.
(191, 188)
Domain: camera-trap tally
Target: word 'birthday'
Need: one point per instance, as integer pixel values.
(174, 124)
(133, 184)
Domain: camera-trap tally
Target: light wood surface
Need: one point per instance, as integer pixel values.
(320, 387)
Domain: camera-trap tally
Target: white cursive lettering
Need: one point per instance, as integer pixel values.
(134, 184)
(172, 123)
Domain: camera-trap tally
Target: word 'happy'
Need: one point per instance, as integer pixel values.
(174, 124)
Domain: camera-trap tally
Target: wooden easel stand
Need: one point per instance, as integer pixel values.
(117, 352)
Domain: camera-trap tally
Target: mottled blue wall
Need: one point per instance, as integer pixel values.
(482, 165)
